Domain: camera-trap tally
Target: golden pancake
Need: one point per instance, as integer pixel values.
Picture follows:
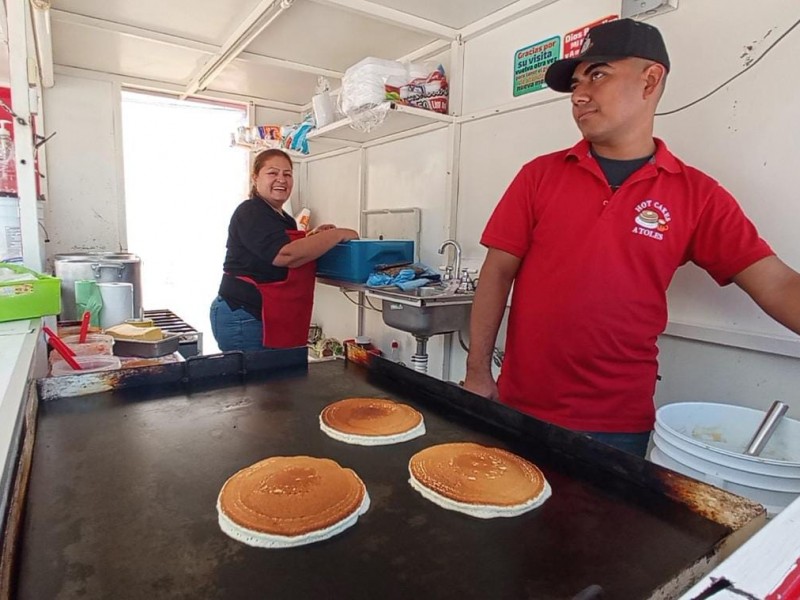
(471, 474)
(291, 496)
(370, 418)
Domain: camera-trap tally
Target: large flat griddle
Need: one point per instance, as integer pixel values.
(121, 501)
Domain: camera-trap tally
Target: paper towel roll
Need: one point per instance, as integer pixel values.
(117, 303)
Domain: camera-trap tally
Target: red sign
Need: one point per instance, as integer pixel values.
(574, 39)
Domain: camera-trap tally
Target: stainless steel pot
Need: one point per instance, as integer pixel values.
(98, 266)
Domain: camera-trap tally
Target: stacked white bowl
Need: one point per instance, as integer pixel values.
(707, 441)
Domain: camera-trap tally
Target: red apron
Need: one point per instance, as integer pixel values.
(286, 305)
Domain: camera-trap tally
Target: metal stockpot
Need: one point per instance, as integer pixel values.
(101, 267)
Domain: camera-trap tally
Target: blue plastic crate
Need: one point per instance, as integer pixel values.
(354, 260)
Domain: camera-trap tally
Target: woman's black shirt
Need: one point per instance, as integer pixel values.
(255, 236)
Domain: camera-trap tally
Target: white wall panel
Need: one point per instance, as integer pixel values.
(5, 76)
(489, 59)
(271, 116)
(330, 191)
(745, 136)
(404, 174)
(694, 371)
(492, 152)
(412, 173)
(85, 209)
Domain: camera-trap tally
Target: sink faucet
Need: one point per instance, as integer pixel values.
(456, 265)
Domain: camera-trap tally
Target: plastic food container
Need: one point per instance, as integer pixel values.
(354, 260)
(96, 343)
(31, 298)
(147, 348)
(89, 364)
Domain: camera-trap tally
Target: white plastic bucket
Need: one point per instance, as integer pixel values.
(707, 441)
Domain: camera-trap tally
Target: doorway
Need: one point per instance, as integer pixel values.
(183, 181)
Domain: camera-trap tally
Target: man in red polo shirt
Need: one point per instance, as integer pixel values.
(591, 237)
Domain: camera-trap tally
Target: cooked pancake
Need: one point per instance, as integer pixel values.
(477, 480)
(371, 421)
(287, 501)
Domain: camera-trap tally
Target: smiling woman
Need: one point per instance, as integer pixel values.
(267, 289)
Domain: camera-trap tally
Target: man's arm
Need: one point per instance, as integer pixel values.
(496, 277)
(775, 287)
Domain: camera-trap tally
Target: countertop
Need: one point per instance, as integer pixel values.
(768, 562)
(18, 340)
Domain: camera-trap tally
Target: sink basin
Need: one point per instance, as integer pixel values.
(423, 296)
(425, 311)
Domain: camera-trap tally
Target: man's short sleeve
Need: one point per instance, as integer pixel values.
(510, 228)
(725, 241)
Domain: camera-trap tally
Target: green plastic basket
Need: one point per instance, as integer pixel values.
(29, 299)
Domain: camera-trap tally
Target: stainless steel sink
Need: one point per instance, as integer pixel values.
(425, 311)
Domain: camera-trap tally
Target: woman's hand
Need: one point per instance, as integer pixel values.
(349, 234)
(321, 228)
(300, 251)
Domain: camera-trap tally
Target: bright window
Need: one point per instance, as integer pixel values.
(182, 183)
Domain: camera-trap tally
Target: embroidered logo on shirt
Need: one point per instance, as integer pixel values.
(651, 220)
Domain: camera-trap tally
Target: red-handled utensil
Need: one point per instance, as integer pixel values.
(65, 351)
(84, 326)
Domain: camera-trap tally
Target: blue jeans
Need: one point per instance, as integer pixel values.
(632, 443)
(234, 329)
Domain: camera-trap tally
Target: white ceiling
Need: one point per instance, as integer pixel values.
(168, 44)
(453, 13)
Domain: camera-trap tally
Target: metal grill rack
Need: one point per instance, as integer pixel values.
(191, 343)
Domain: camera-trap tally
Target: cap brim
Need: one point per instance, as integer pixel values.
(559, 75)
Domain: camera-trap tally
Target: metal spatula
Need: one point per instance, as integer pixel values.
(767, 428)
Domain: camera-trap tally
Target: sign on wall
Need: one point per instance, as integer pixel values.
(531, 62)
(573, 40)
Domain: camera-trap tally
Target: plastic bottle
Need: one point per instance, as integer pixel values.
(303, 218)
(8, 177)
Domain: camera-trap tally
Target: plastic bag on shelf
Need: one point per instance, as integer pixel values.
(294, 136)
(429, 92)
(260, 137)
(363, 95)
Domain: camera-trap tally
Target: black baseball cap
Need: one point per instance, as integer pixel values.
(622, 38)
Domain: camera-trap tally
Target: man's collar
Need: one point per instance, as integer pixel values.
(663, 158)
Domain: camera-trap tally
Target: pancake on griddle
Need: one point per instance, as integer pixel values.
(371, 421)
(287, 501)
(478, 480)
